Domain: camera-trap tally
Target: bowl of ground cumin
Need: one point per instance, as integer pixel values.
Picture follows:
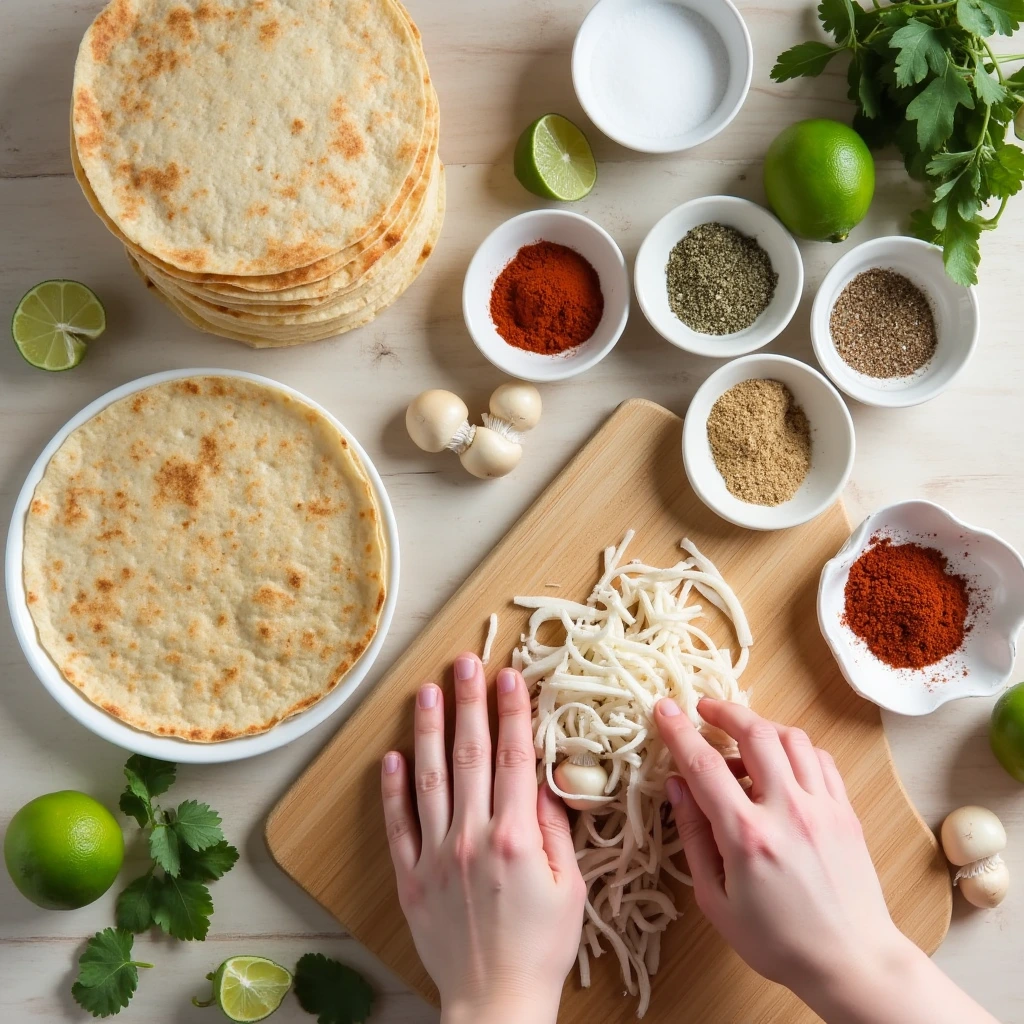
(889, 326)
(546, 295)
(768, 443)
(920, 608)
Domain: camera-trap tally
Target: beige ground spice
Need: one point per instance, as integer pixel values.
(761, 441)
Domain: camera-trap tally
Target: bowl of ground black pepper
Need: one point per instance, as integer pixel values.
(546, 295)
(719, 276)
(768, 443)
(889, 326)
(920, 608)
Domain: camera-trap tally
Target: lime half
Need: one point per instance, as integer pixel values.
(248, 988)
(554, 160)
(53, 322)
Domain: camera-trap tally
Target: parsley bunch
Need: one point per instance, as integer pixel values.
(926, 80)
(187, 846)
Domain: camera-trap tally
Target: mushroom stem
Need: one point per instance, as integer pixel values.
(978, 867)
(462, 438)
(503, 427)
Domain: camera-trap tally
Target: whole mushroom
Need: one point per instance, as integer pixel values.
(437, 420)
(973, 839)
(490, 454)
(517, 404)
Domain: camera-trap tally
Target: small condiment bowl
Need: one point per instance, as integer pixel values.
(577, 232)
(955, 307)
(995, 575)
(651, 283)
(615, 26)
(832, 443)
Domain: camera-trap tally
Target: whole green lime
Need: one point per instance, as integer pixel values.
(1006, 734)
(63, 850)
(819, 177)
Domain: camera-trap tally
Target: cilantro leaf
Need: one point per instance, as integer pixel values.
(208, 865)
(107, 975)
(837, 18)
(134, 909)
(920, 50)
(983, 17)
(921, 226)
(862, 78)
(972, 16)
(988, 89)
(805, 60)
(1004, 174)
(960, 252)
(164, 849)
(335, 993)
(182, 908)
(944, 163)
(197, 826)
(134, 807)
(155, 776)
(934, 108)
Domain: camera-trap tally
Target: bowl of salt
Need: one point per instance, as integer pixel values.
(661, 76)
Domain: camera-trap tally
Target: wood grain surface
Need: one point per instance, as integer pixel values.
(328, 832)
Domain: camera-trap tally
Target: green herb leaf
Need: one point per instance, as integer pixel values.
(946, 163)
(335, 993)
(921, 226)
(164, 848)
(863, 80)
(920, 50)
(983, 17)
(197, 826)
(157, 776)
(934, 108)
(837, 17)
(1004, 174)
(135, 807)
(208, 865)
(182, 908)
(107, 975)
(972, 16)
(134, 909)
(988, 89)
(960, 252)
(805, 60)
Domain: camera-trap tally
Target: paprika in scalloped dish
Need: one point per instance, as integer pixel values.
(547, 299)
(905, 604)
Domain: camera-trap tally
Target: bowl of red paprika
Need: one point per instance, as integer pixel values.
(546, 295)
(919, 608)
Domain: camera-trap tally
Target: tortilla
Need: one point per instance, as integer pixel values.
(205, 558)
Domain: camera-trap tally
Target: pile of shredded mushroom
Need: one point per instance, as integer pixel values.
(633, 642)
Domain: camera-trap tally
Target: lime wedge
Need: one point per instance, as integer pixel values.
(554, 160)
(249, 988)
(53, 321)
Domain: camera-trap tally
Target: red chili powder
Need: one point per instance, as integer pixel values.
(547, 299)
(902, 601)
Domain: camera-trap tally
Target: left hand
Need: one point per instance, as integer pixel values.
(488, 878)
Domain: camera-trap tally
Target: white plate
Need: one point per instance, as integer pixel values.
(989, 564)
(832, 443)
(613, 32)
(956, 311)
(577, 232)
(170, 748)
(650, 281)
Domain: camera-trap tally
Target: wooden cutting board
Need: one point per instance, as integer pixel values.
(328, 832)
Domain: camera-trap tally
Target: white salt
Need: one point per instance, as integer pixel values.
(659, 70)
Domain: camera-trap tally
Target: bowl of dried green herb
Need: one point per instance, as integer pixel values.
(719, 276)
(768, 443)
(889, 326)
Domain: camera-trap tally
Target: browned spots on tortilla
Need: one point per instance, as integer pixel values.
(126, 573)
(265, 631)
(308, 639)
(89, 128)
(193, 629)
(288, 192)
(407, 150)
(112, 533)
(114, 24)
(369, 549)
(298, 125)
(257, 210)
(39, 507)
(295, 578)
(380, 600)
(174, 658)
(113, 709)
(341, 189)
(105, 586)
(426, 251)
(223, 48)
(181, 481)
(320, 508)
(179, 24)
(347, 139)
(188, 387)
(148, 614)
(72, 511)
(139, 402)
(222, 619)
(270, 597)
(31, 597)
(268, 32)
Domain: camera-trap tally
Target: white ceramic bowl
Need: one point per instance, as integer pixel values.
(996, 574)
(500, 246)
(832, 443)
(957, 321)
(116, 731)
(618, 77)
(650, 282)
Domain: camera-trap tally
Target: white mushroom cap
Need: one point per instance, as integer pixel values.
(972, 833)
(490, 455)
(987, 888)
(434, 418)
(518, 404)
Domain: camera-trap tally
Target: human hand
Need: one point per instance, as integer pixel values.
(488, 878)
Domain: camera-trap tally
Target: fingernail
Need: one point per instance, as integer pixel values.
(506, 680)
(673, 790)
(390, 764)
(465, 668)
(428, 697)
(668, 708)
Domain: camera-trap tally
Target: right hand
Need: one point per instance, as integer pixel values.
(783, 873)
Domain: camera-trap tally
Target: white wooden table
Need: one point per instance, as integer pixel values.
(497, 65)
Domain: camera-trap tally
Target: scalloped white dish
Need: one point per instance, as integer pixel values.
(171, 748)
(995, 574)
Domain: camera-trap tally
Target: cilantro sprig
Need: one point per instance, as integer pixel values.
(107, 974)
(188, 850)
(926, 79)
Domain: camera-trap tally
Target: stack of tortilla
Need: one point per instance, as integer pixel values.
(271, 166)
